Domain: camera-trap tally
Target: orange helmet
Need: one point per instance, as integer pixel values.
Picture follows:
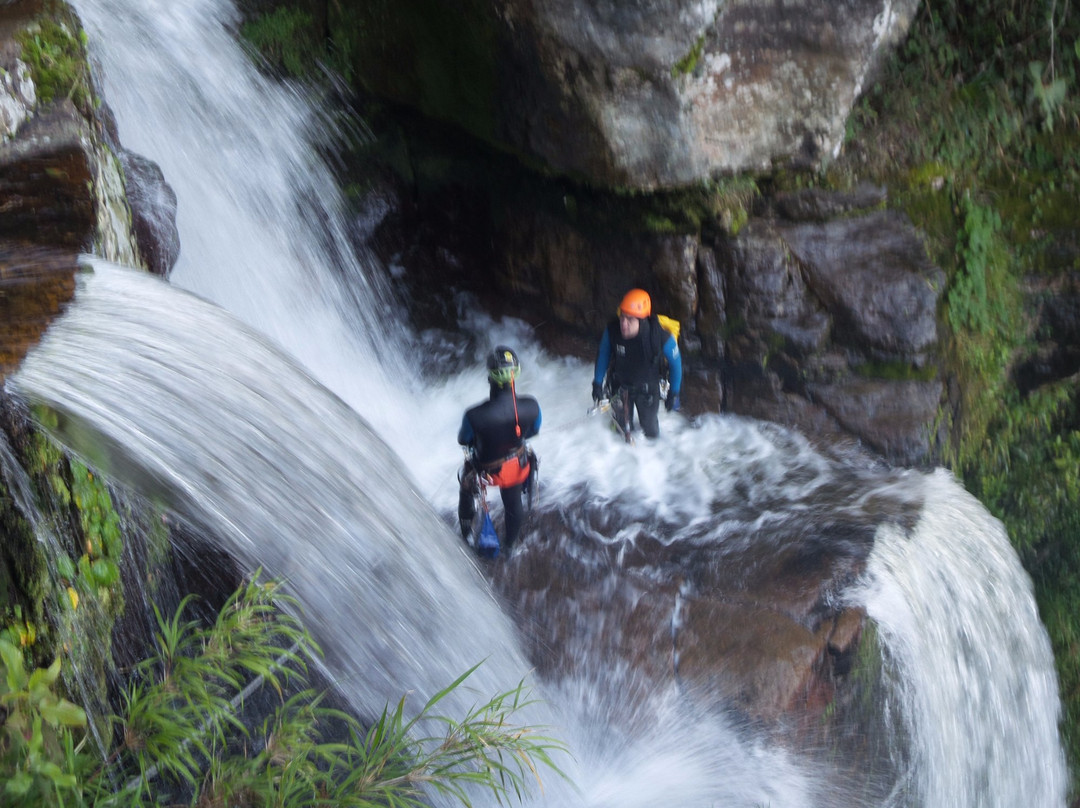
(636, 303)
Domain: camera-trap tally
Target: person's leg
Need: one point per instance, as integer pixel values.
(514, 512)
(622, 404)
(467, 501)
(648, 409)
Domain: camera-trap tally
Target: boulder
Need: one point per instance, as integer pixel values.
(873, 275)
(832, 323)
(756, 624)
(643, 94)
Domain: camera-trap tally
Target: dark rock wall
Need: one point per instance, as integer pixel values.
(820, 312)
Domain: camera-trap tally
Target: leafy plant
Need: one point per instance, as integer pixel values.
(37, 757)
(1048, 98)
(179, 732)
(57, 61)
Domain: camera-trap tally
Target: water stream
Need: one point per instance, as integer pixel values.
(269, 395)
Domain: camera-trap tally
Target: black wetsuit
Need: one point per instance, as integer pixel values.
(634, 373)
(490, 428)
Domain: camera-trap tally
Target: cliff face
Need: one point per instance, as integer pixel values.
(813, 309)
(62, 193)
(61, 179)
(644, 94)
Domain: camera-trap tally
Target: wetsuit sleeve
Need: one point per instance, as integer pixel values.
(674, 360)
(536, 423)
(466, 436)
(603, 358)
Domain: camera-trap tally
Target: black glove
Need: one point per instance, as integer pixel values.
(597, 391)
(671, 403)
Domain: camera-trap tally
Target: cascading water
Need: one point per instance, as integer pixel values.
(218, 420)
(221, 425)
(976, 679)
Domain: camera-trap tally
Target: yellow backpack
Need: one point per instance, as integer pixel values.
(669, 324)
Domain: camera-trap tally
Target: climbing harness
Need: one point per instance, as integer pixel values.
(479, 532)
(605, 405)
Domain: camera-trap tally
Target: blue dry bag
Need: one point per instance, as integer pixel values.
(488, 543)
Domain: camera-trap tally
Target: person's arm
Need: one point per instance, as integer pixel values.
(603, 359)
(536, 424)
(466, 436)
(674, 360)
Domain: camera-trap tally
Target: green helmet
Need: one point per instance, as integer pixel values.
(503, 366)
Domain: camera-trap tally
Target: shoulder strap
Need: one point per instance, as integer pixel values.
(613, 330)
(656, 336)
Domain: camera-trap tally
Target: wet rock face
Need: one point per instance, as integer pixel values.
(36, 284)
(153, 212)
(753, 623)
(643, 93)
(834, 324)
(44, 176)
(48, 218)
(62, 193)
(873, 274)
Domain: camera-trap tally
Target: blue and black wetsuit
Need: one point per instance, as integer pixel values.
(633, 370)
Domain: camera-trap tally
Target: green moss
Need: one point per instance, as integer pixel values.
(440, 58)
(897, 371)
(288, 41)
(690, 60)
(63, 593)
(653, 223)
(21, 568)
(56, 57)
(931, 174)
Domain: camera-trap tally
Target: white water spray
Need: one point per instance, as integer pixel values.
(976, 673)
(261, 236)
(182, 401)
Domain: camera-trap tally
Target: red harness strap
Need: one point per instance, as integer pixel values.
(515, 469)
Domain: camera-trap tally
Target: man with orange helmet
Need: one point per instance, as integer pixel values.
(629, 357)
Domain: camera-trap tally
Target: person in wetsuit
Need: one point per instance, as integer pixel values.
(629, 355)
(495, 431)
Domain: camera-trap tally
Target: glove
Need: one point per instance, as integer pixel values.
(597, 391)
(671, 403)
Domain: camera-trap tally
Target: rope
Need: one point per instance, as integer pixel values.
(513, 395)
(572, 421)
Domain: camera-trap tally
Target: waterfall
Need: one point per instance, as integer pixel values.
(976, 681)
(186, 403)
(277, 408)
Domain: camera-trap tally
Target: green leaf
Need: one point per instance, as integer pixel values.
(18, 784)
(13, 662)
(64, 713)
(105, 572)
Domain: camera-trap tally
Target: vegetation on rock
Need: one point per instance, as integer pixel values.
(55, 50)
(975, 127)
(180, 733)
